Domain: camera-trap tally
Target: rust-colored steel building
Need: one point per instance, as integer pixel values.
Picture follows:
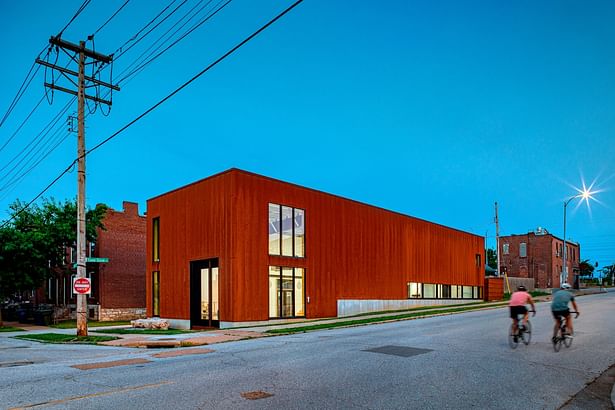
(238, 248)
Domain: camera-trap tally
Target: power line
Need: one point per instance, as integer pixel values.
(40, 136)
(177, 90)
(110, 18)
(79, 10)
(204, 20)
(22, 123)
(136, 37)
(135, 61)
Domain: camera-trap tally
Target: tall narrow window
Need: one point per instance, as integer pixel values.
(274, 229)
(274, 291)
(299, 292)
(505, 249)
(156, 293)
(156, 239)
(287, 231)
(477, 257)
(522, 250)
(299, 233)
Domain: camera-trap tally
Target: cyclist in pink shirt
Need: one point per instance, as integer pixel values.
(518, 300)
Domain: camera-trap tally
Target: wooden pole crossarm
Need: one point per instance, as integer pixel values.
(66, 90)
(74, 73)
(56, 41)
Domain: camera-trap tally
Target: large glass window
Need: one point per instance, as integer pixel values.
(522, 250)
(286, 231)
(429, 291)
(286, 292)
(505, 249)
(156, 239)
(156, 293)
(441, 291)
(415, 290)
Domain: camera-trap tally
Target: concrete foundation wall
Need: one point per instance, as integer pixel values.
(121, 314)
(347, 307)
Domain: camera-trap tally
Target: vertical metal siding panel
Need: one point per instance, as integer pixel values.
(352, 250)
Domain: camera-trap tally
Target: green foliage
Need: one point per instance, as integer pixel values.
(34, 241)
(586, 269)
(10, 329)
(492, 258)
(608, 272)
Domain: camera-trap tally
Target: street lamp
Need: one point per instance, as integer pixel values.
(585, 194)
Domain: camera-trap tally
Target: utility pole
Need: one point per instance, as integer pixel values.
(497, 239)
(83, 53)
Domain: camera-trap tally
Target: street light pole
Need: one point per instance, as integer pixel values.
(563, 277)
(585, 195)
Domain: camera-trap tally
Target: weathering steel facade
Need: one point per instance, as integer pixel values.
(239, 247)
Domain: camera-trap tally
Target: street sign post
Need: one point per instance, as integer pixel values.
(82, 286)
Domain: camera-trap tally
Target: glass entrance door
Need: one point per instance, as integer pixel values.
(204, 296)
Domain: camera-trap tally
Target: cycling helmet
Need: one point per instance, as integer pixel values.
(521, 288)
(566, 286)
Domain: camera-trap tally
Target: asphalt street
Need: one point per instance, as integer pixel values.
(447, 362)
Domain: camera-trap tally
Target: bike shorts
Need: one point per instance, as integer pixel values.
(561, 313)
(515, 311)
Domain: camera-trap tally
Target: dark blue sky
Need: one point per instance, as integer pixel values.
(432, 109)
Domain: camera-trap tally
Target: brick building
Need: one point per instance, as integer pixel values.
(118, 285)
(539, 255)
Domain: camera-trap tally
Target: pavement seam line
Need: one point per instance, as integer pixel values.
(87, 396)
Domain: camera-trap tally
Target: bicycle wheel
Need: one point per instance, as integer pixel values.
(567, 341)
(513, 339)
(527, 333)
(557, 344)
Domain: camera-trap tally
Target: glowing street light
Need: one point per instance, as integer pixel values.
(585, 194)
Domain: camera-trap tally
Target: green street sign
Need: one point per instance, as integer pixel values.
(97, 260)
(93, 260)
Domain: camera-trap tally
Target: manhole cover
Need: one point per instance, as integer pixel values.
(255, 395)
(403, 351)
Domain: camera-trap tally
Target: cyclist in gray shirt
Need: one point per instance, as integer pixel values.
(559, 308)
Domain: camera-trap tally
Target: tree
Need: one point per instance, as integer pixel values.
(492, 258)
(586, 269)
(35, 240)
(608, 273)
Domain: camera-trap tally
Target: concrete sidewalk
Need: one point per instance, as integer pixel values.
(213, 336)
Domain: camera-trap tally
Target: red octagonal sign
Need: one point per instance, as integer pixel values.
(81, 286)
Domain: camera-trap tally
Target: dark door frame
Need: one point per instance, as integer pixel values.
(195, 292)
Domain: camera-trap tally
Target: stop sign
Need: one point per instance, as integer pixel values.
(82, 286)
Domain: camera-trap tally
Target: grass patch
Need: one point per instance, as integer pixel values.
(144, 331)
(10, 329)
(72, 324)
(60, 338)
(376, 319)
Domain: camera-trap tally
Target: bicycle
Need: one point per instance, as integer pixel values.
(523, 332)
(562, 336)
